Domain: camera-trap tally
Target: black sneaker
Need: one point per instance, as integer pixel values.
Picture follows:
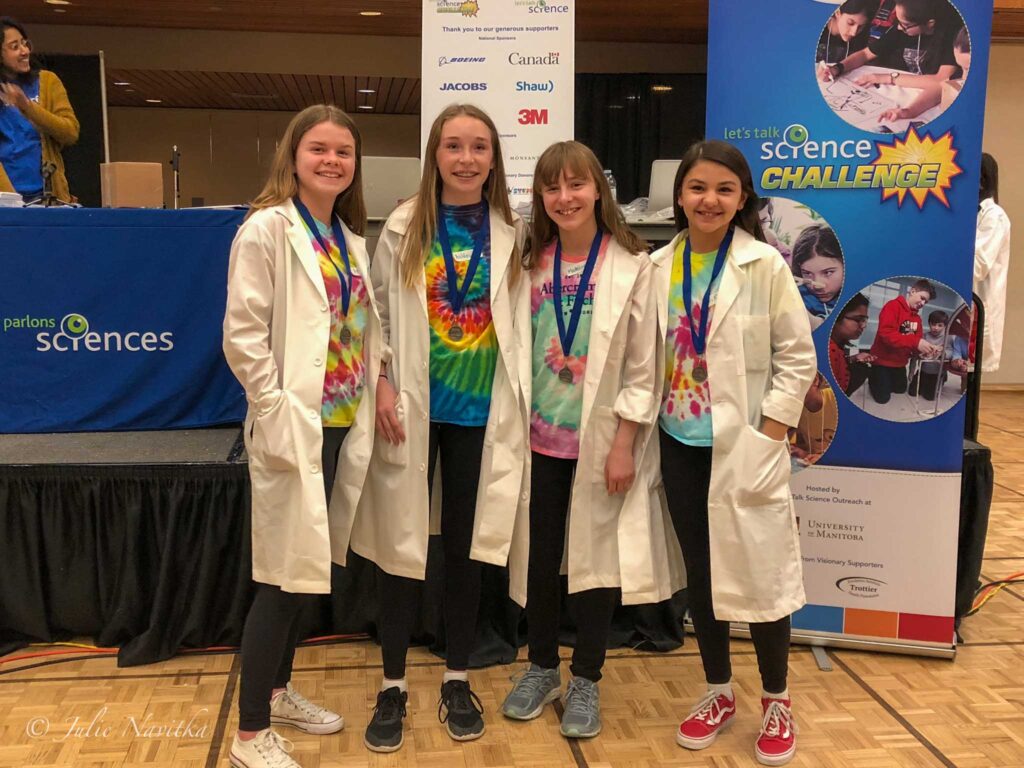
(463, 712)
(385, 732)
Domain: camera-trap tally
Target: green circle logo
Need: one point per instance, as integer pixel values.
(796, 135)
(74, 325)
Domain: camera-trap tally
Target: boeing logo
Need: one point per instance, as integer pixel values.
(443, 60)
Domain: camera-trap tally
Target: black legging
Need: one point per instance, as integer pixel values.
(592, 609)
(884, 382)
(461, 450)
(271, 630)
(686, 471)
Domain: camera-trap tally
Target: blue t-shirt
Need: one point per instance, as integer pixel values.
(21, 149)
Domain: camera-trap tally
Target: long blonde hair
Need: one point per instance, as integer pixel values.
(579, 160)
(419, 237)
(282, 184)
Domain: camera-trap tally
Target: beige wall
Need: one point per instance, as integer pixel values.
(1004, 118)
(225, 154)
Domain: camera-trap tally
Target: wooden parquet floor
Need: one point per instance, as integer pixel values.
(873, 710)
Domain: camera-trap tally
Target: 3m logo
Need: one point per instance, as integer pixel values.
(533, 117)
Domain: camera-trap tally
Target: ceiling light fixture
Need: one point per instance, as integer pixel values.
(58, 2)
(365, 106)
(122, 83)
(661, 88)
(370, 13)
(365, 90)
(154, 101)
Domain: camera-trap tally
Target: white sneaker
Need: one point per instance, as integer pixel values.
(267, 750)
(292, 708)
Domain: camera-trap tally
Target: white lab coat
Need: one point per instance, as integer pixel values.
(991, 264)
(624, 540)
(761, 361)
(276, 331)
(394, 518)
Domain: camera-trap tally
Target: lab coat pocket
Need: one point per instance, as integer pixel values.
(757, 347)
(390, 453)
(764, 469)
(603, 424)
(272, 440)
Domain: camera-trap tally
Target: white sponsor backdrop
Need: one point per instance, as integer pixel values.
(880, 540)
(512, 58)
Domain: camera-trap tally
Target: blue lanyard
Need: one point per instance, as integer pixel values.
(457, 294)
(567, 335)
(339, 237)
(699, 338)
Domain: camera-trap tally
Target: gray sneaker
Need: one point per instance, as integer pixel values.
(582, 716)
(534, 688)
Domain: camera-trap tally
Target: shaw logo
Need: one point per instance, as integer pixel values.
(442, 60)
(74, 336)
(859, 586)
(548, 87)
(519, 60)
(533, 117)
(463, 86)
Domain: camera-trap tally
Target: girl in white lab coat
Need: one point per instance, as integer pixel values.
(302, 335)
(991, 262)
(592, 379)
(738, 361)
(447, 277)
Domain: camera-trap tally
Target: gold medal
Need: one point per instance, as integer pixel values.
(346, 336)
(700, 371)
(565, 375)
(455, 333)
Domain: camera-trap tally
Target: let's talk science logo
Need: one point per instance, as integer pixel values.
(915, 165)
(74, 333)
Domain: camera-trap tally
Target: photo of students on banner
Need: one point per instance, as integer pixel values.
(901, 350)
(888, 65)
(812, 250)
(813, 435)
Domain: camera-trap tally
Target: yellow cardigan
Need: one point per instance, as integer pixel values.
(58, 127)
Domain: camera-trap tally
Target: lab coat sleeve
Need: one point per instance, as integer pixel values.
(635, 401)
(794, 361)
(250, 312)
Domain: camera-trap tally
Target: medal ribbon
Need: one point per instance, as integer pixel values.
(567, 335)
(339, 237)
(457, 294)
(699, 337)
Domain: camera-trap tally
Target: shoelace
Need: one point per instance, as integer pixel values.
(390, 706)
(580, 697)
(456, 696)
(708, 709)
(307, 707)
(274, 749)
(778, 720)
(530, 681)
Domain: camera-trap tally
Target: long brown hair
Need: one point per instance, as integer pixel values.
(282, 184)
(579, 160)
(419, 237)
(726, 154)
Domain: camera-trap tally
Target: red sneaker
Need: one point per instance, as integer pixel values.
(709, 716)
(777, 743)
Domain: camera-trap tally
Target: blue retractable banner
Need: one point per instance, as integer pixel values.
(111, 320)
(862, 123)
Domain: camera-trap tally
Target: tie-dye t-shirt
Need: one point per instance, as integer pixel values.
(346, 370)
(557, 405)
(686, 406)
(461, 371)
